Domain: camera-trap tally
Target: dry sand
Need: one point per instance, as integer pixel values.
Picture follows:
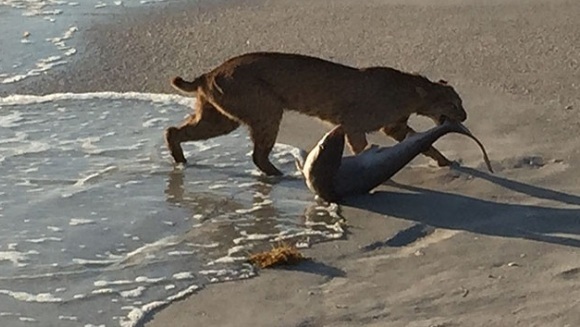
(438, 247)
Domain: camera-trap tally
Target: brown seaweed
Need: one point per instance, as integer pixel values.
(281, 254)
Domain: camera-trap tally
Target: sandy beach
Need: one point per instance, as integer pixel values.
(437, 246)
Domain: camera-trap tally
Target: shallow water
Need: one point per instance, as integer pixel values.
(98, 227)
(39, 35)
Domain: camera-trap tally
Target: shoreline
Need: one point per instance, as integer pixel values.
(496, 249)
(191, 38)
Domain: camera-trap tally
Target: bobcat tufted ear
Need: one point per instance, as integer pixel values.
(421, 91)
(442, 81)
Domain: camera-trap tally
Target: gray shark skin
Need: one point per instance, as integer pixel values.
(333, 177)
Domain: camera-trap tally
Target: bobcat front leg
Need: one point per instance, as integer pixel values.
(207, 122)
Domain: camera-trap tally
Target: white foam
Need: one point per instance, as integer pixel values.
(29, 148)
(180, 253)
(27, 297)
(7, 314)
(183, 275)
(103, 283)
(248, 184)
(207, 246)
(250, 210)
(93, 150)
(69, 318)
(154, 122)
(145, 279)
(93, 262)
(80, 221)
(38, 12)
(253, 237)
(137, 313)
(217, 272)
(44, 239)
(18, 136)
(17, 99)
(217, 186)
(103, 291)
(144, 2)
(11, 120)
(204, 146)
(282, 150)
(324, 234)
(133, 293)
(220, 275)
(226, 259)
(54, 228)
(70, 52)
(95, 175)
(42, 66)
(13, 256)
(151, 247)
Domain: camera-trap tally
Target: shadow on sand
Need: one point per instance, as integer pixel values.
(459, 212)
(315, 267)
(534, 191)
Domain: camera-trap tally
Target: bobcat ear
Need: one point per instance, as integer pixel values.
(422, 93)
(442, 81)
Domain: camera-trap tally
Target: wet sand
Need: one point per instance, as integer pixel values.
(438, 247)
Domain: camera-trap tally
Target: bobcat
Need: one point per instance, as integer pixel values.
(255, 88)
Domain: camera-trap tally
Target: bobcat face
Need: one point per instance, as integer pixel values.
(442, 102)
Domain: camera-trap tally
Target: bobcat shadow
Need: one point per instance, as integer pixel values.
(459, 212)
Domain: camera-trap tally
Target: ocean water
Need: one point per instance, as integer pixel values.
(38, 35)
(97, 226)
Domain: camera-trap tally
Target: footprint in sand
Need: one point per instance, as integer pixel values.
(534, 164)
(527, 162)
(569, 274)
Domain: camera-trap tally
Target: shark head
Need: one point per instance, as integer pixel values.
(322, 163)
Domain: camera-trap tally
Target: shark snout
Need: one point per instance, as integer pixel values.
(338, 131)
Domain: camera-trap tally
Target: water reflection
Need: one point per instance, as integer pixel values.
(259, 213)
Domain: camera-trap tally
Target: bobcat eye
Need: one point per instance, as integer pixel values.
(456, 108)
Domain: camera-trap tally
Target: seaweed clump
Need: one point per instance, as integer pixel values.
(282, 254)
